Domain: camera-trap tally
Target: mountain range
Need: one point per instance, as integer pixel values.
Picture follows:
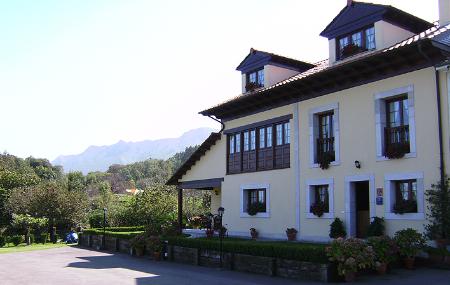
(99, 158)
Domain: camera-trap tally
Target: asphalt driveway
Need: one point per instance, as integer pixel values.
(75, 266)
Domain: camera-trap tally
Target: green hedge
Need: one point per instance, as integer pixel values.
(122, 229)
(122, 235)
(287, 250)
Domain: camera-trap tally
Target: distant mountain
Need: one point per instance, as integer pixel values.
(99, 158)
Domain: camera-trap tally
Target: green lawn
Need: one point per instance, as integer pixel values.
(10, 248)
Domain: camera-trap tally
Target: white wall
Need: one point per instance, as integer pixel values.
(274, 74)
(387, 34)
(444, 12)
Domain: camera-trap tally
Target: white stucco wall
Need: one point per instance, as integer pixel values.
(387, 34)
(274, 74)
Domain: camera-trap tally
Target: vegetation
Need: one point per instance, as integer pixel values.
(350, 255)
(376, 227)
(287, 250)
(384, 247)
(33, 247)
(409, 242)
(438, 198)
(337, 229)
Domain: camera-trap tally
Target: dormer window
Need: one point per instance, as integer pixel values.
(356, 42)
(255, 80)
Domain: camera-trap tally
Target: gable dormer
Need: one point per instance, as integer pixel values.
(262, 69)
(362, 27)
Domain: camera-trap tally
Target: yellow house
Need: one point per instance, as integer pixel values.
(363, 134)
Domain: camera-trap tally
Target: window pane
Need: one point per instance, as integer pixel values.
(343, 43)
(394, 114)
(261, 196)
(261, 77)
(246, 141)
(279, 129)
(238, 142)
(370, 38)
(262, 140)
(356, 39)
(252, 140)
(326, 126)
(231, 145)
(287, 131)
(405, 112)
(252, 77)
(413, 190)
(269, 136)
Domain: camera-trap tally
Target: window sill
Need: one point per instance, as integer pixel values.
(406, 216)
(324, 216)
(333, 163)
(258, 215)
(408, 155)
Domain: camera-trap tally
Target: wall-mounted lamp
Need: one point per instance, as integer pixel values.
(357, 164)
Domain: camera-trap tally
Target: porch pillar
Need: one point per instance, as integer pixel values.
(180, 210)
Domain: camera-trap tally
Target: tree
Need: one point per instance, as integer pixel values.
(438, 198)
(26, 224)
(76, 181)
(52, 200)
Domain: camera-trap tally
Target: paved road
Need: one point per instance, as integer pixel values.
(76, 266)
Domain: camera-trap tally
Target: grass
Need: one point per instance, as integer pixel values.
(10, 248)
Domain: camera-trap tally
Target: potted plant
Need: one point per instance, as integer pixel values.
(209, 233)
(385, 251)
(409, 242)
(253, 233)
(255, 208)
(351, 49)
(350, 255)
(438, 198)
(376, 227)
(155, 246)
(251, 86)
(137, 243)
(222, 231)
(318, 208)
(291, 234)
(337, 229)
(325, 159)
(395, 151)
(405, 206)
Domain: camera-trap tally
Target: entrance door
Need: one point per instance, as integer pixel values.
(362, 208)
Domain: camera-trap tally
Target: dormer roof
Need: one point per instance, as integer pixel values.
(358, 15)
(257, 59)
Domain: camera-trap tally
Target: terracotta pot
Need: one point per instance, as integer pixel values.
(292, 236)
(254, 235)
(409, 262)
(156, 256)
(350, 276)
(382, 268)
(139, 251)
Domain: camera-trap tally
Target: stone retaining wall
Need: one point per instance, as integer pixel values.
(240, 262)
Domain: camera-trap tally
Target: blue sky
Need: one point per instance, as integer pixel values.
(92, 72)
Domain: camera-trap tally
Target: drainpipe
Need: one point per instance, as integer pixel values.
(219, 121)
(439, 115)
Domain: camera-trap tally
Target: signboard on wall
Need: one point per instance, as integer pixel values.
(379, 196)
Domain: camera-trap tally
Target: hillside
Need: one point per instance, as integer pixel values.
(99, 158)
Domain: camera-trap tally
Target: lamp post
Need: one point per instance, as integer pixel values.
(221, 210)
(104, 228)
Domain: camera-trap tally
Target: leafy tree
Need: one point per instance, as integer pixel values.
(438, 198)
(26, 224)
(76, 181)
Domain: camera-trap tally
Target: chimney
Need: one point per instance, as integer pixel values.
(349, 3)
(444, 12)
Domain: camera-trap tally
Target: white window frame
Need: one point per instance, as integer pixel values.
(380, 120)
(389, 196)
(244, 187)
(309, 189)
(314, 133)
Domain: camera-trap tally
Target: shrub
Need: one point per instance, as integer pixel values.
(138, 241)
(294, 251)
(337, 229)
(96, 219)
(376, 227)
(41, 238)
(2, 241)
(16, 240)
(122, 235)
(384, 247)
(438, 199)
(409, 241)
(350, 255)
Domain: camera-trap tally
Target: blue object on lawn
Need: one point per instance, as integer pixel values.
(72, 237)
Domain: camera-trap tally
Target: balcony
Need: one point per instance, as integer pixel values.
(396, 141)
(325, 152)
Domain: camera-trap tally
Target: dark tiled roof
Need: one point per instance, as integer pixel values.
(323, 67)
(201, 150)
(360, 14)
(258, 58)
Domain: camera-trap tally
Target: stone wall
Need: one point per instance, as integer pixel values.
(210, 258)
